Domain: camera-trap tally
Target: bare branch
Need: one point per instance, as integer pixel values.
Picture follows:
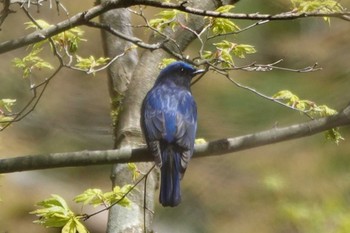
(5, 11)
(83, 18)
(253, 16)
(219, 147)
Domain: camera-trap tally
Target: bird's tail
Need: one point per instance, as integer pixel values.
(170, 194)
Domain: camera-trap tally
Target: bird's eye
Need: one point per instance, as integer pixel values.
(182, 69)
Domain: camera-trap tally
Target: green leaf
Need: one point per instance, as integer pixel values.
(80, 228)
(30, 62)
(312, 109)
(118, 195)
(222, 26)
(74, 225)
(134, 171)
(334, 135)
(96, 197)
(42, 24)
(91, 196)
(68, 40)
(227, 49)
(167, 18)
(89, 64)
(287, 96)
(7, 104)
(54, 212)
(322, 6)
(219, 25)
(240, 50)
(225, 8)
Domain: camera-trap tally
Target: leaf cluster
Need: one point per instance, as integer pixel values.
(322, 6)
(54, 212)
(89, 64)
(167, 18)
(30, 62)
(225, 50)
(311, 109)
(96, 197)
(219, 26)
(66, 43)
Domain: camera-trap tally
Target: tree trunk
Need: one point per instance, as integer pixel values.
(129, 80)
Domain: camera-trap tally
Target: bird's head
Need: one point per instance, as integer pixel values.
(181, 73)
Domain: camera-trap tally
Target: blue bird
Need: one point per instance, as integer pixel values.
(169, 124)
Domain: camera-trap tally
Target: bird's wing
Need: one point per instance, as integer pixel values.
(186, 122)
(171, 118)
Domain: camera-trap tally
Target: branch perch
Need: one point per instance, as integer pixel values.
(218, 147)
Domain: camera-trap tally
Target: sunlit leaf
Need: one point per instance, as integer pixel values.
(90, 63)
(219, 25)
(167, 18)
(91, 196)
(226, 50)
(96, 197)
(322, 6)
(7, 104)
(54, 212)
(134, 171)
(312, 109)
(30, 62)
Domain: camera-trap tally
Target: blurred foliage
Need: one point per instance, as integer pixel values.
(328, 214)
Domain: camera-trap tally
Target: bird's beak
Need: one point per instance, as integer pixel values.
(198, 72)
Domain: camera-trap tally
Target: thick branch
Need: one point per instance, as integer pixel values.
(253, 16)
(219, 147)
(84, 18)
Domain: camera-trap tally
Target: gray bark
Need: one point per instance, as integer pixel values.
(128, 133)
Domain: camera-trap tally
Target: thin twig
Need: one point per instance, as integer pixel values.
(265, 96)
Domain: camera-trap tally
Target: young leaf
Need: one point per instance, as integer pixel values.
(7, 104)
(220, 26)
(74, 225)
(334, 135)
(322, 6)
(54, 212)
(227, 49)
(30, 62)
(96, 197)
(89, 64)
(167, 18)
(91, 196)
(68, 40)
(118, 195)
(134, 171)
(310, 108)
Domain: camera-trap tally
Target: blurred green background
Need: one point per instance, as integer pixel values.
(295, 186)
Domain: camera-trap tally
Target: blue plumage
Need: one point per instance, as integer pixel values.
(169, 123)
